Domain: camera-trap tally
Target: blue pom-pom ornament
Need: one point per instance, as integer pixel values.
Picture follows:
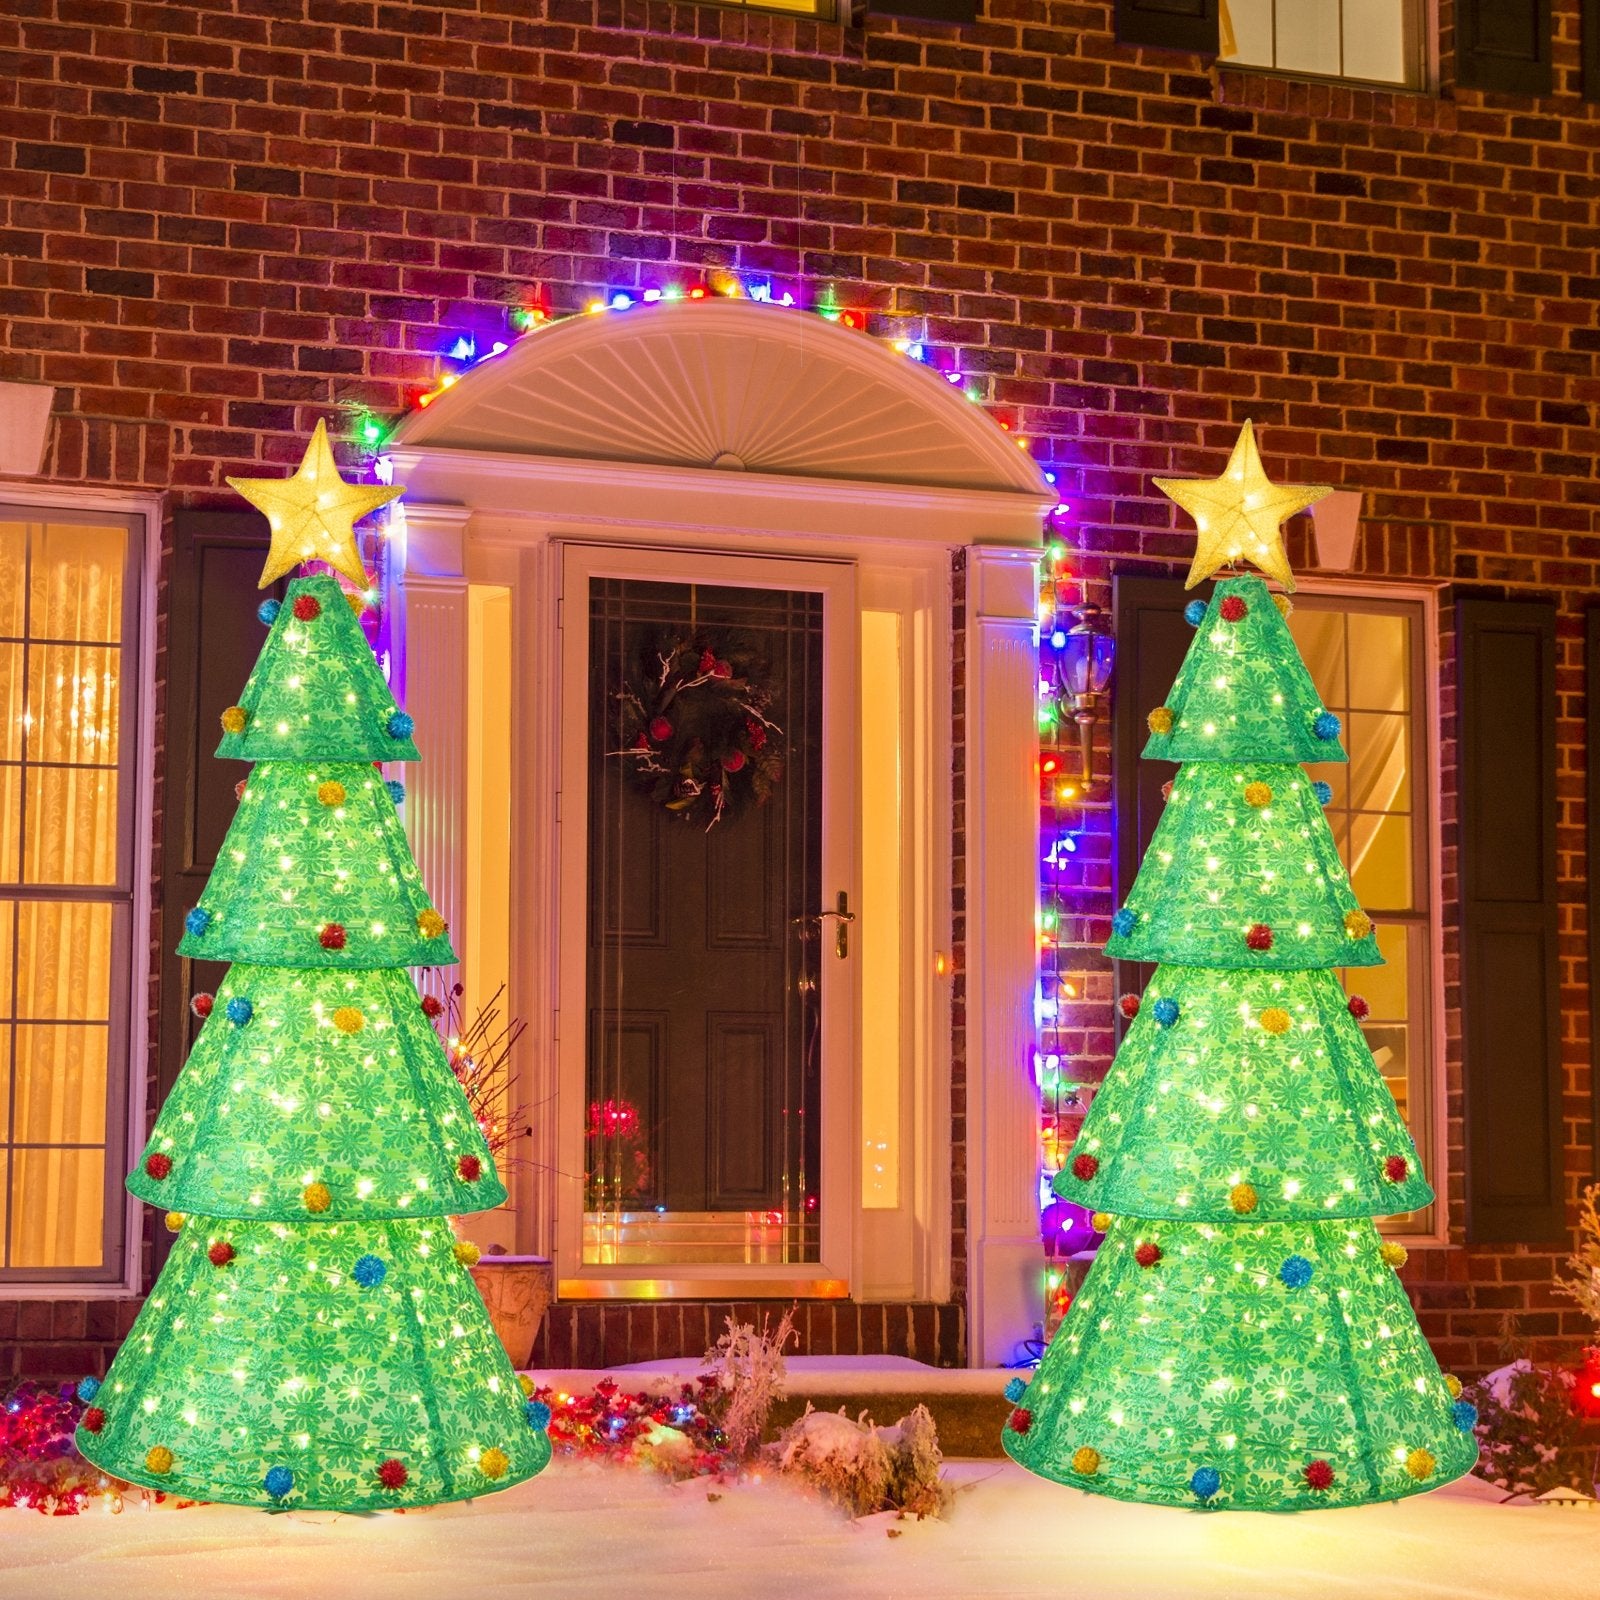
(1016, 1389)
(1165, 1011)
(1195, 613)
(537, 1413)
(397, 791)
(1326, 727)
(1205, 1482)
(268, 612)
(401, 725)
(278, 1482)
(369, 1272)
(1465, 1415)
(1124, 922)
(1323, 792)
(240, 1011)
(1295, 1272)
(88, 1388)
(197, 921)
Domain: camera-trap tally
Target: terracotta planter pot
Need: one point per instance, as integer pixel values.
(516, 1290)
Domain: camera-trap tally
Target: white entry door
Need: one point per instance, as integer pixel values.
(708, 819)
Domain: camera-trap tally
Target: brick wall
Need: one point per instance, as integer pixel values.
(223, 220)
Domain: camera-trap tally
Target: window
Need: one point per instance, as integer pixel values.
(1368, 41)
(1367, 656)
(69, 614)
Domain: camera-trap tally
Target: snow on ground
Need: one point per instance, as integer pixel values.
(598, 1532)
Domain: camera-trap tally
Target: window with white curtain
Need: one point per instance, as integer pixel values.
(1368, 658)
(69, 609)
(1367, 41)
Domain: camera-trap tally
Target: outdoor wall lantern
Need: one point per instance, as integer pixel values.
(1083, 672)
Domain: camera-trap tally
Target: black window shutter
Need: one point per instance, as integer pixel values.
(1591, 667)
(1152, 640)
(1510, 1010)
(1171, 24)
(925, 10)
(1503, 46)
(1589, 45)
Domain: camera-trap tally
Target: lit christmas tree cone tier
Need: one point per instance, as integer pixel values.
(1242, 1339)
(1274, 1367)
(315, 1338)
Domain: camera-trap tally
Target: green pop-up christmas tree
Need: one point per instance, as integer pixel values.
(1241, 1339)
(315, 1338)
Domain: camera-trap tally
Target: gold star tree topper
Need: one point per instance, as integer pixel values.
(312, 515)
(1237, 516)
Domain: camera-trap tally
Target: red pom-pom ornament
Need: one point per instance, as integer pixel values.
(1396, 1168)
(392, 1474)
(1128, 1005)
(201, 1005)
(1021, 1420)
(93, 1420)
(432, 1006)
(1359, 1009)
(158, 1166)
(470, 1168)
(1233, 609)
(307, 608)
(1319, 1475)
(332, 937)
(1258, 936)
(1147, 1254)
(1084, 1167)
(221, 1253)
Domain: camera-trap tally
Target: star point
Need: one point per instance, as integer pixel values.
(1238, 515)
(311, 516)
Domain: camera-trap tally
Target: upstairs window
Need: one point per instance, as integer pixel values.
(1361, 41)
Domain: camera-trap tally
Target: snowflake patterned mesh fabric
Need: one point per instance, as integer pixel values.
(316, 692)
(335, 1078)
(314, 1340)
(283, 1358)
(1193, 1108)
(1242, 1339)
(1209, 1359)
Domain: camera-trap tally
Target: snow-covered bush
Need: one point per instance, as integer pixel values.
(864, 1468)
(1527, 1428)
(747, 1368)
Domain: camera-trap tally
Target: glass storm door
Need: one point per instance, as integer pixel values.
(716, 917)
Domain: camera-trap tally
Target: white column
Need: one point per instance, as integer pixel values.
(1005, 1263)
(434, 689)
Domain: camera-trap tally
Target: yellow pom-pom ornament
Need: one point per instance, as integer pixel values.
(316, 1197)
(1420, 1464)
(1275, 1020)
(1284, 604)
(1394, 1255)
(1258, 795)
(356, 601)
(527, 1385)
(1453, 1384)
(467, 1252)
(331, 793)
(348, 1020)
(1160, 720)
(175, 1221)
(493, 1463)
(430, 924)
(1357, 924)
(1101, 1221)
(234, 719)
(1243, 1198)
(1086, 1461)
(158, 1459)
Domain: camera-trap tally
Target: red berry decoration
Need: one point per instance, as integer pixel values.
(1319, 1475)
(221, 1253)
(392, 1474)
(1128, 1005)
(201, 1005)
(660, 729)
(158, 1165)
(733, 761)
(470, 1168)
(1021, 1420)
(1396, 1168)
(93, 1420)
(1359, 1009)
(1233, 609)
(432, 1006)
(1147, 1254)
(1258, 936)
(1084, 1167)
(307, 608)
(332, 937)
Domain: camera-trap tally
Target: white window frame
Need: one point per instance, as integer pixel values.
(118, 1279)
(1422, 67)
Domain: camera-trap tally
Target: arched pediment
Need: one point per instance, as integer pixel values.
(724, 384)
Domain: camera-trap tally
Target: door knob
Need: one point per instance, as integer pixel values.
(843, 916)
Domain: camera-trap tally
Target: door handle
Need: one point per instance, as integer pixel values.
(843, 916)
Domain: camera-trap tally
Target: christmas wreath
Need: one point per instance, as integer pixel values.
(693, 732)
